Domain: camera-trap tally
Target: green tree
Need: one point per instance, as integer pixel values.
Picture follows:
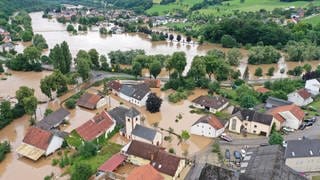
(70, 28)
(104, 63)
(179, 62)
(26, 36)
(233, 57)
(39, 42)
(32, 54)
(228, 41)
(248, 101)
(81, 172)
(30, 104)
(94, 57)
(1, 68)
(185, 135)
(263, 55)
(258, 72)
(153, 103)
(136, 69)
(88, 149)
(270, 71)
(198, 68)
(275, 138)
(83, 67)
(48, 112)
(67, 57)
(155, 68)
(307, 67)
(61, 57)
(24, 92)
(213, 87)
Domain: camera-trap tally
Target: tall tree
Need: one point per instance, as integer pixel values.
(153, 103)
(30, 104)
(94, 57)
(136, 69)
(83, 67)
(155, 68)
(1, 68)
(61, 57)
(104, 63)
(23, 92)
(179, 62)
(198, 68)
(67, 57)
(233, 57)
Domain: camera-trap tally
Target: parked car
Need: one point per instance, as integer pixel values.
(302, 126)
(309, 123)
(227, 154)
(225, 137)
(243, 153)
(287, 129)
(284, 144)
(237, 154)
(313, 120)
(264, 144)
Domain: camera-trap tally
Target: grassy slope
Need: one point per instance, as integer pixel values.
(227, 7)
(313, 20)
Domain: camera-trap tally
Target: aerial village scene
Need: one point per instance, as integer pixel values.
(160, 89)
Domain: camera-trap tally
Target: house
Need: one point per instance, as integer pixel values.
(303, 155)
(114, 86)
(135, 93)
(211, 172)
(290, 116)
(211, 103)
(313, 86)
(111, 164)
(265, 163)
(118, 114)
(91, 101)
(273, 102)
(146, 172)
(209, 126)
(300, 98)
(251, 121)
(100, 124)
(54, 119)
(140, 153)
(262, 90)
(6, 47)
(133, 128)
(38, 142)
(153, 83)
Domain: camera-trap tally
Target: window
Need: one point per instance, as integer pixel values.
(233, 124)
(136, 119)
(254, 131)
(255, 126)
(245, 124)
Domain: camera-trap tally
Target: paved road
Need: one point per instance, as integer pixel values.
(100, 75)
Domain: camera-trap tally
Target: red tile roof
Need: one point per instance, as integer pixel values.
(262, 90)
(212, 120)
(295, 110)
(112, 163)
(304, 93)
(38, 138)
(115, 85)
(96, 126)
(153, 83)
(146, 172)
(89, 100)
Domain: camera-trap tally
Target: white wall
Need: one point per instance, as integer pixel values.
(298, 100)
(304, 164)
(313, 86)
(290, 120)
(139, 103)
(55, 143)
(110, 129)
(204, 129)
(237, 126)
(101, 102)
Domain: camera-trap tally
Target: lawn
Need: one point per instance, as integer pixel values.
(313, 20)
(228, 7)
(315, 177)
(74, 139)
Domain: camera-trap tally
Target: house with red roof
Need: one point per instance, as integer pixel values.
(38, 142)
(91, 101)
(146, 172)
(290, 116)
(100, 124)
(209, 126)
(262, 90)
(300, 97)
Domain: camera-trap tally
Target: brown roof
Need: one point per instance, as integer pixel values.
(295, 110)
(262, 90)
(152, 83)
(111, 164)
(160, 159)
(304, 93)
(89, 100)
(96, 126)
(38, 138)
(115, 85)
(211, 101)
(212, 120)
(146, 172)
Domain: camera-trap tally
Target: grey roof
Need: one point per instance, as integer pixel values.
(215, 102)
(211, 172)
(54, 119)
(132, 112)
(119, 114)
(272, 102)
(144, 132)
(59, 133)
(267, 163)
(251, 115)
(303, 148)
(137, 91)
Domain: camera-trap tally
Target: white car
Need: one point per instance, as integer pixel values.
(287, 129)
(243, 153)
(284, 144)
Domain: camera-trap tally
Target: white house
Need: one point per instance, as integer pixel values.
(303, 155)
(290, 116)
(300, 98)
(209, 126)
(135, 131)
(135, 93)
(313, 86)
(211, 103)
(38, 142)
(251, 121)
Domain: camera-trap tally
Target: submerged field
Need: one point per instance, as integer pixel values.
(229, 6)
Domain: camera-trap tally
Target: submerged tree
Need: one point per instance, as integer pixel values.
(153, 103)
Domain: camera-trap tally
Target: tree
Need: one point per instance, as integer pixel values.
(258, 72)
(153, 103)
(30, 104)
(275, 138)
(70, 28)
(54, 82)
(104, 63)
(188, 39)
(263, 55)
(155, 68)
(171, 37)
(307, 67)
(83, 67)
(94, 57)
(1, 68)
(178, 37)
(26, 36)
(81, 172)
(233, 57)
(270, 71)
(179, 62)
(61, 57)
(136, 69)
(39, 42)
(213, 87)
(88, 149)
(67, 57)
(71, 103)
(32, 54)
(185, 135)
(48, 112)
(247, 101)
(228, 41)
(198, 68)
(24, 92)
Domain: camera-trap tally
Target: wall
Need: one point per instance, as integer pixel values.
(211, 109)
(55, 143)
(291, 120)
(238, 124)
(298, 100)
(101, 102)
(180, 168)
(204, 129)
(313, 86)
(258, 129)
(307, 164)
(137, 160)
